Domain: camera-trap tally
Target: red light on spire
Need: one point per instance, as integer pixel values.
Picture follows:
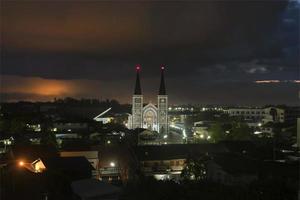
(162, 67)
(138, 67)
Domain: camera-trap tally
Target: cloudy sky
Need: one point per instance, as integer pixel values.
(223, 52)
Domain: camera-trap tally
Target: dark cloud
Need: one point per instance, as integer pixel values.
(202, 43)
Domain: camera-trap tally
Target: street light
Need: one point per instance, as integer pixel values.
(21, 163)
(36, 166)
(112, 164)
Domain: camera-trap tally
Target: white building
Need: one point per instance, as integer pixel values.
(151, 117)
(265, 115)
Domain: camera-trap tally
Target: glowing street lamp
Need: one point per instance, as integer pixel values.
(21, 163)
(112, 164)
(36, 166)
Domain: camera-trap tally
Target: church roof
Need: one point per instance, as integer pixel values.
(162, 87)
(137, 89)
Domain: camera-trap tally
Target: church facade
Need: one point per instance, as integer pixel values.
(150, 116)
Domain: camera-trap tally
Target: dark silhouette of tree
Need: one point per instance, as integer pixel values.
(195, 168)
(217, 132)
(241, 131)
(49, 138)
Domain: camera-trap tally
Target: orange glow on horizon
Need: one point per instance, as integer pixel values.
(36, 85)
(51, 88)
(42, 89)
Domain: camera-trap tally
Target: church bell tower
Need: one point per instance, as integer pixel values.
(162, 105)
(137, 102)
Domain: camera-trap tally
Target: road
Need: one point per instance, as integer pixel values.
(174, 138)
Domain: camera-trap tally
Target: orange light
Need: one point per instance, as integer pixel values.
(21, 163)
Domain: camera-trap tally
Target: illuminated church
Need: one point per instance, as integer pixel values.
(151, 117)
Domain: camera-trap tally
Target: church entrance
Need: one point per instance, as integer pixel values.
(150, 119)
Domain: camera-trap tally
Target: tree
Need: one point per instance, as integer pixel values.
(217, 132)
(230, 131)
(4, 125)
(195, 168)
(241, 131)
(49, 138)
(17, 126)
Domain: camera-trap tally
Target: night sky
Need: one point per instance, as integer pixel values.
(215, 52)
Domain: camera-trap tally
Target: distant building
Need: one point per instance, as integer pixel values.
(267, 114)
(168, 161)
(5, 142)
(151, 117)
(163, 168)
(70, 126)
(200, 129)
(181, 109)
(247, 113)
(35, 127)
(274, 114)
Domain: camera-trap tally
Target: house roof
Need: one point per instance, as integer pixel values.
(92, 188)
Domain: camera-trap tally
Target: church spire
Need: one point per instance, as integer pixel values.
(137, 89)
(162, 87)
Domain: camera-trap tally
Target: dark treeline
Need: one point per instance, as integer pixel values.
(87, 102)
(23, 106)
